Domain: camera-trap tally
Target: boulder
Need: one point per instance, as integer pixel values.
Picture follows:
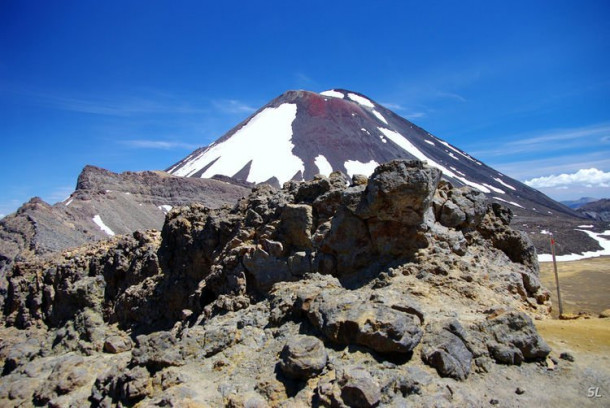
(345, 318)
(445, 350)
(156, 351)
(359, 388)
(303, 357)
(117, 344)
(512, 338)
(399, 191)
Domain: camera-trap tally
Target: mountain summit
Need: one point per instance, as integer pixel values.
(300, 134)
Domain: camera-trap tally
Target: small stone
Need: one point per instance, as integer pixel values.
(567, 356)
(494, 401)
(605, 314)
(520, 391)
(117, 344)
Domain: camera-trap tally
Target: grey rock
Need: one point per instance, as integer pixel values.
(157, 350)
(296, 225)
(358, 388)
(117, 344)
(345, 318)
(512, 339)
(303, 357)
(348, 241)
(445, 350)
(400, 191)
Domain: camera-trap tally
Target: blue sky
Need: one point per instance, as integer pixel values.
(137, 85)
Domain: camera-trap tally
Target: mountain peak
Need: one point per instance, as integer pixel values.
(300, 134)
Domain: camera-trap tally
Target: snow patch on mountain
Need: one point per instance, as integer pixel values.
(410, 148)
(360, 100)
(492, 188)
(165, 208)
(509, 202)
(457, 151)
(333, 93)
(504, 184)
(98, 221)
(356, 167)
(271, 127)
(430, 142)
(323, 165)
(379, 116)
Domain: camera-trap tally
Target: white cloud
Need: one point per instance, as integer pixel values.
(158, 144)
(408, 114)
(550, 140)
(233, 106)
(450, 95)
(589, 177)
(393, 106)
(415, 115)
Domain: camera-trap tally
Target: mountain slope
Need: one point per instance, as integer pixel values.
(103, 204)
(300, 134)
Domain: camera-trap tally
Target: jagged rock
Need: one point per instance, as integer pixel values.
(399, 191)
(21, 353)
(157, 350)
(344, 318)
(372, 268)
(459, 208)
(349, 244)
(512, 339)
(444, 349)
(67, 375)
(117, 344)
(296, 224)
(209, 340)
(303, 357)
(358, 388)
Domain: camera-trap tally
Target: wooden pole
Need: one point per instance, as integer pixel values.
(556, 276)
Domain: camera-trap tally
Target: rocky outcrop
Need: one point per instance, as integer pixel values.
(376, 292)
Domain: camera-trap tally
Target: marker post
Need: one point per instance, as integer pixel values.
(556, 276)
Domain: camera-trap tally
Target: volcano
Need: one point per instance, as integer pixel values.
(300, 134)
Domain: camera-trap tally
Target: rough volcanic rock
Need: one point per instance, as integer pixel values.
(445, 350)
(303, 357)
(513, 339)
(349, 319)
(293, 296)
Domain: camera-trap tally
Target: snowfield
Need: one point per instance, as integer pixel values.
(323, 165)
(360, 100)
(333, 94)
(98, 220)
(504, 184)
(355, 167)
(598, 236)
(379, 116)
(271, 127)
